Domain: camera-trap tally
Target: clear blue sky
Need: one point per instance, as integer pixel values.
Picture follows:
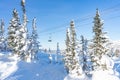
(54, 16)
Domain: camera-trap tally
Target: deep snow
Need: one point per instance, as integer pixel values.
(11, 68)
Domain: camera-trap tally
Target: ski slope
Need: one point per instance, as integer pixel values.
(11, 68)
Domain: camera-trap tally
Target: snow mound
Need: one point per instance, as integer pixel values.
(108, 61)
(104, 75)
(8, 66)
(75, 77)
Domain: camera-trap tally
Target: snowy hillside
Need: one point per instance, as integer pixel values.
(13, 69)
(8, 66)
(114, 48)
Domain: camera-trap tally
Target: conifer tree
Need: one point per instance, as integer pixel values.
(2, 28)
(35, 37)
(13, 33)
(57, 53)
(67, 53)
(2, 38)
(34, 40)
(23, 30)
(71, 55)
(99, 41)
(84, 54)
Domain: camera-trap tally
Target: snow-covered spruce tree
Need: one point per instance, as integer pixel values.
(13, 33)
(99, 41)
(58, 54)
(84, 54)
(2, 38)
(2, 30)
(71, 55)
(57, 58)
(34, 43)
(67, 55)
(23, 30)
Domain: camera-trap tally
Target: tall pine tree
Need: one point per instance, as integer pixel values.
(57, 58)
(99, 41)
(71, 56)
(67, 55)
(35, 37)
(2, 38)
(23, 30)
(34, 48)
(2, 28)
(84, 54)
(13, 33)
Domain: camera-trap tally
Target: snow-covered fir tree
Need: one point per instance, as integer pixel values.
(2, 29)
(33, 41)
(84, 56)
(13, 33)
(2, 38)
(71, 55)
(67, 55)
(23, 30)
(34, 36)
(99, 41)
(57, 58)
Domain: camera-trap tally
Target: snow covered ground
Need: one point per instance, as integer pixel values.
(11, 68)
(8, 65)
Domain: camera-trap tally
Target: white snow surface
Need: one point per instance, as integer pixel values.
(8, 65)
(11, 68)
(76, 77)
(104, 75)
(108, 61)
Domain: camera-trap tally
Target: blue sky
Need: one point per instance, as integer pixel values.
(54, 16)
